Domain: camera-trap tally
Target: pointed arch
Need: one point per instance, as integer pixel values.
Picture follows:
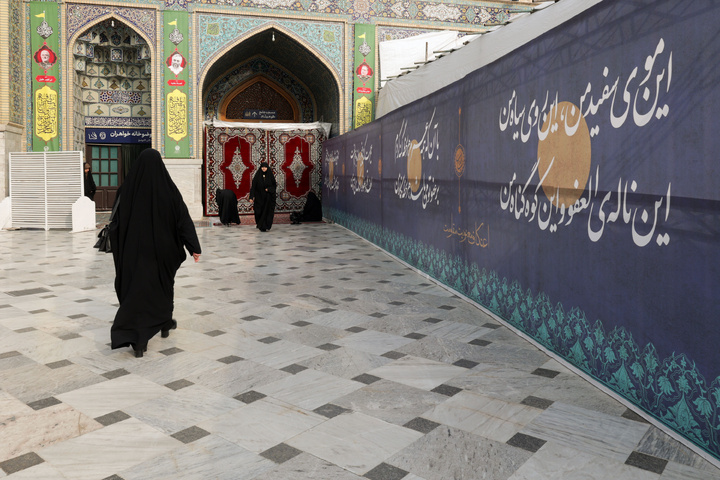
(70, 100)
(254, 32)
(258, 65)
(93, 15)
(289, 51)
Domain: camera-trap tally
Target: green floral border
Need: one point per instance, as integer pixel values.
(671, 389)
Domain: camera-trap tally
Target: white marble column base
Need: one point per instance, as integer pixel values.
(187, 175)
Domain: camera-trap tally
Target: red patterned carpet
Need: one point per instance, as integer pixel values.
(233, 156)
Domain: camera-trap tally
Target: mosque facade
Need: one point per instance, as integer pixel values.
(110, 78)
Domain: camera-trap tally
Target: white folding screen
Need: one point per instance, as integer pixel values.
(43, 188)
(27, 190)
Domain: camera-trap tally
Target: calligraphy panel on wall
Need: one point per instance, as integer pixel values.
(571, 188)
(233, 156)
(46, 76)
(176, 80)
(364, 75)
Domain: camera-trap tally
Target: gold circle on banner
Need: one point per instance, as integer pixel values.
(360, 169)
(459, 161)
(565, 151)
(414, 166)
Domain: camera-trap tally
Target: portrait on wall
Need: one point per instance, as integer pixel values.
(364, 72)
(45, 58)
(176, 62)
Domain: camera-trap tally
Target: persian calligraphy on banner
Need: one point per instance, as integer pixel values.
(565, 132)
(417, 185)
(45, 70)
(177, 78)
(176, 108)
(363, 111)
(46, 113)
(362, 157)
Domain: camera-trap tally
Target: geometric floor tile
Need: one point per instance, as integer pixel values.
(300, 353)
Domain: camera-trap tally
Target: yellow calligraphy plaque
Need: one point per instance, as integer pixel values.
(46, 113)
(363, 111)
(177, 118)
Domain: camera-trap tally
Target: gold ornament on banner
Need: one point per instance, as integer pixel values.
(414, 166)
(44, 29)
(459, 158)
(564, 159)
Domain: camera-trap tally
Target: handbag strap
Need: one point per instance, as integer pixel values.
(114, 209)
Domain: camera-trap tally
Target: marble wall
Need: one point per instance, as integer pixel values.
(11, 140)
(187, 175)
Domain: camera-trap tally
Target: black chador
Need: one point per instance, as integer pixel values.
(149, 235)
(227, 206)
(262, 194)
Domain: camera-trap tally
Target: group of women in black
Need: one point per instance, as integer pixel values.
(262, 197)
(149, 231)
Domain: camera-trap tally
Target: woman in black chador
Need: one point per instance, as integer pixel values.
(148, 235)
(89, 183)
(262, 195)
(227, 206)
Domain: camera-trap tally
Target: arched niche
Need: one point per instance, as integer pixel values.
(113, 69)
(259, 94)
(258, 66)
(111, 99)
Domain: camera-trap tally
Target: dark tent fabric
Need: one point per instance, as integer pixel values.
(150, 230)
(227, 206)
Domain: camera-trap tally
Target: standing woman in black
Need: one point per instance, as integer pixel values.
(262, 196)
(89, 183)
(149, 233)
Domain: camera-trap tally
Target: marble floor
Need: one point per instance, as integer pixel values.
(300, 353)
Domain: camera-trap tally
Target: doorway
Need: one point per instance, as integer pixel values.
(112, 102)
(106, 164)
(109, 165)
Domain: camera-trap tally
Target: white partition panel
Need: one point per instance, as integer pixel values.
(43, 188)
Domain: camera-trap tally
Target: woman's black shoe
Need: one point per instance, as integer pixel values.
(165, 332)
(138, 351)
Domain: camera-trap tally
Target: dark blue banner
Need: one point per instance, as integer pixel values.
(572, 188)
(118, 135)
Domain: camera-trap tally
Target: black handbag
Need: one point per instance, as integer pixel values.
(103, 242)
